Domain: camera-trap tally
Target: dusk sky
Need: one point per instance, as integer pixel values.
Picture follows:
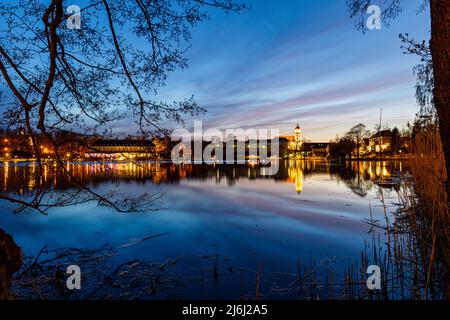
(302, 61)
(297, 61)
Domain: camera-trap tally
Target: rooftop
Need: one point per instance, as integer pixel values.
(122, 143)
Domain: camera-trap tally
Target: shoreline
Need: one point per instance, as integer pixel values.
(334, 160)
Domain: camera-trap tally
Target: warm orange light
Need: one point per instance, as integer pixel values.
(5, 140)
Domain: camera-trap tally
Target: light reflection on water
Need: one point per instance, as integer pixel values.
(308, 209)
(20, 177)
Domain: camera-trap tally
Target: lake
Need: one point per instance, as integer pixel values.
(216, 231)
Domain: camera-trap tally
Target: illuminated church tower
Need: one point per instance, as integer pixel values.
(298, 138)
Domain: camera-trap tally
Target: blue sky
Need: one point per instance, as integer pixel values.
(289, 61)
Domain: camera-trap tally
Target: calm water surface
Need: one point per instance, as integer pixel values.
(245, 220)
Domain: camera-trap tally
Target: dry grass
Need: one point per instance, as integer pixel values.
(428, 166)
(428, 208)
(415, 260)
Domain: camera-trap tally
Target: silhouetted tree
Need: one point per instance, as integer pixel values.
(395, 140)
(85, 80)
(439, 50)
(358, 133)
(342, 148)
(424, 75)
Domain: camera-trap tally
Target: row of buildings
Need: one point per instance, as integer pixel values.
(20, 146)
(384, 143)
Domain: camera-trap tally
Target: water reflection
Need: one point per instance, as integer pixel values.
(239, 213)
(359, 177)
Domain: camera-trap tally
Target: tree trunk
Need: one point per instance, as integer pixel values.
(10, 262)
(440, 50)
(357, 146)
